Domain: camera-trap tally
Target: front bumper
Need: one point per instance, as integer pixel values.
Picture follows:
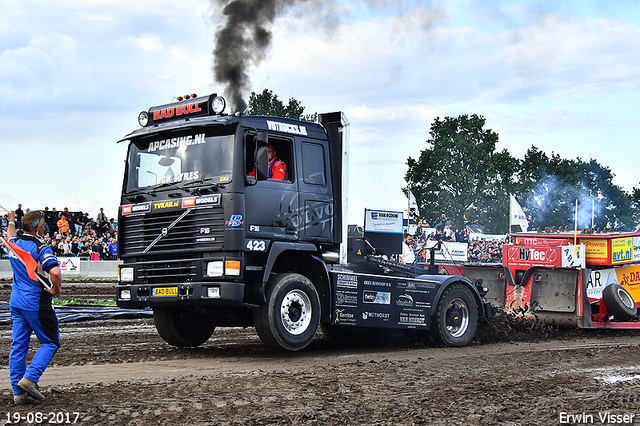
(210, 293)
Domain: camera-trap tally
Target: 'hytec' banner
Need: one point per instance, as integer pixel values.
(560, 256)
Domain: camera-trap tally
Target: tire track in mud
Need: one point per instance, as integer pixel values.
(247, 355)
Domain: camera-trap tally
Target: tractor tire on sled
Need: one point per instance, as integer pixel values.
(619, 302)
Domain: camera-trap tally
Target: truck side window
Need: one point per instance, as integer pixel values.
(313, 164)
(283, 152)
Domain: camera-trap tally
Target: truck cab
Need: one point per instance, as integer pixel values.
(208, 237)
(202, 226)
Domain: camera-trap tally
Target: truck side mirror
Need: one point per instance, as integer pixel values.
(262, 163)
(262, 137)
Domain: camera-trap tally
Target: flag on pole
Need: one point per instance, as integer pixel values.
(413, 204)
(28, 261)
(516, 215)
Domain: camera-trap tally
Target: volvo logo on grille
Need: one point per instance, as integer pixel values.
(165, 231)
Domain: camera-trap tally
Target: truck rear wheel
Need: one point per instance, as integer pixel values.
(179, 327)
(290, 317)
(619, 302)
(456, 319)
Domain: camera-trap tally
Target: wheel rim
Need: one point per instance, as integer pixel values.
(457, 317)
(295, 312)
(625, 298)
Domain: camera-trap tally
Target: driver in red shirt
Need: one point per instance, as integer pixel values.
(277, 168)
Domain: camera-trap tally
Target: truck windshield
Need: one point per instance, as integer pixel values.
(177, 159)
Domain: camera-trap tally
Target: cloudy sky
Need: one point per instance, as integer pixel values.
(563, 76)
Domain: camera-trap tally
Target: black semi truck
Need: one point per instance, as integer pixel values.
(207, 239)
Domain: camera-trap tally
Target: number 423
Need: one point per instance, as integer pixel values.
(256, 245)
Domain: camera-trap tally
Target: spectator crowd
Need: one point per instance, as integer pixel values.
(75, 234)
(479, 250)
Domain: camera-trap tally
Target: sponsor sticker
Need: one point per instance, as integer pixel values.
(346, 298)
(235, 221)
(136, 208)
(279, 126)
(342, 316)
(376, 315)
(209, 200)
(412, 318)
(165, 205)
(376, 297)
(347, 281)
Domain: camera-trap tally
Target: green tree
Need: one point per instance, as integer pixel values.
(550, 185)
(635, 206)
(268, 103)
(460, 177)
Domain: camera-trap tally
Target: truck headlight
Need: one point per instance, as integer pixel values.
(215, 269)
(218, 104)
(143, 118)
(126, 275)
(125, 294)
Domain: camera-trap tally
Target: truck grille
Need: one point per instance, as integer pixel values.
(200, 229)
(168, 272)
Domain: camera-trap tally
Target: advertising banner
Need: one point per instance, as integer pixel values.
(526, 256)
(69, 265)
(450, 251)
(626, 276)
(621, 250)
(597, 250)
(383, 229)
(382, 221)
(381, 301)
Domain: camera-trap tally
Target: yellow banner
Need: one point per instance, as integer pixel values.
(596, 248)
(621, 250)
(629, 278)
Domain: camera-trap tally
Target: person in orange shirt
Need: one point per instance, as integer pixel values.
(63, 225)
(277, 168)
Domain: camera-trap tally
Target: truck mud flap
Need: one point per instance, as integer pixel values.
(492, 278)
(553, 290)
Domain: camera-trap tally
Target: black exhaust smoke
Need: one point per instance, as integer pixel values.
(242, 41)
(243, 38)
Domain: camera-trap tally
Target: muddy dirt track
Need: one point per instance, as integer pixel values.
(121, 372)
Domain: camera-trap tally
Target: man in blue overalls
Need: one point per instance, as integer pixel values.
(31, 308)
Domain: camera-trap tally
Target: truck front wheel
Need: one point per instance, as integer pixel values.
(179, 327)
(291, 315)
(456, 319)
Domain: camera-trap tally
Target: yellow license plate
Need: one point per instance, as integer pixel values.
(165, 291)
